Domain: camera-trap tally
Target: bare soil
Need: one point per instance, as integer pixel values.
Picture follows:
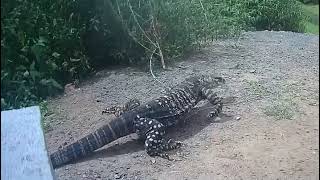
(268, 130)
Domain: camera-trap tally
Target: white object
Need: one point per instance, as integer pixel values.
(23, 151)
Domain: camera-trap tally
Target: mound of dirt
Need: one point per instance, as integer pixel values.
(269, 130)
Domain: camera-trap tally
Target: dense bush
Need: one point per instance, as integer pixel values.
(46, 43)
(41, 48)
(169, 27)
(285, 15)
(310, 1)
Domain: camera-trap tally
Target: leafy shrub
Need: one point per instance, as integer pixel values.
(285, 15)
(169, 28)
(46, 44)
(41, 49)
(309, 1)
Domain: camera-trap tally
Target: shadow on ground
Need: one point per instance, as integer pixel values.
(191, 124)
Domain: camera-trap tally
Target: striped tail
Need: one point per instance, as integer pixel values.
(115, 129)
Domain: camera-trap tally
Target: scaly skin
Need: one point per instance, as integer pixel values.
(149, 120)
(118, 110)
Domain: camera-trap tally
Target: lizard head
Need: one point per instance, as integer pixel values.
(211, 80)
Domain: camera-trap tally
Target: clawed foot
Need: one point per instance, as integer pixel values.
(216, 111)
(169, 145)
(118, 110)
(173, 144)
(212, 114)
(164, 156)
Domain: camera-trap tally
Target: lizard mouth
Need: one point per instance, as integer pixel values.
(212, 80)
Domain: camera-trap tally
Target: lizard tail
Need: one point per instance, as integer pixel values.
(115, 129)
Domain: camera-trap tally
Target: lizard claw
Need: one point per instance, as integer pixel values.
(212, 114)
(180, 143)
(174, 144)
(165, 156)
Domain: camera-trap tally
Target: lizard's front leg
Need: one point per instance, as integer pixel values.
(153, 131)
(118, 110)
(216, 101)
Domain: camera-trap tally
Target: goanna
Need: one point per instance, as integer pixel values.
(149, 120)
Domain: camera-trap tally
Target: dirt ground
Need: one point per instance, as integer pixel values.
(268, 130)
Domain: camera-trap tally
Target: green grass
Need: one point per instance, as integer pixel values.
(257, 88)
(44, 111)
(281, 108)
(312, 11)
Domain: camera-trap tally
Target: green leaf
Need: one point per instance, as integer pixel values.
(54, 65)
(21, 68)
(24, 49)
(36, 50)
(32, 66)
(3, 102)
(55, 54)
(42, 40)
(44, 82)
(55, 84)
(54, 22)
(34, 75)
(74, 60)
(26, 74)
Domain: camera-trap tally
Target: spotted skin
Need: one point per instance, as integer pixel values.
(149, 120)
(118, 110)
(153, 132)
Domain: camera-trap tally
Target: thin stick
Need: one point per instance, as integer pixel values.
(204, 11)
(150, 67)
(135, 18)
(158, 45)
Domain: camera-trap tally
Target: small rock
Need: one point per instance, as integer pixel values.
(153, 161)
(78, 173)
(217, 119)
(66, 168)
(252, 71)
(84, 176)
(238, 118)
(177, 159)
(307, 131)
(116, 176)
(312, 104)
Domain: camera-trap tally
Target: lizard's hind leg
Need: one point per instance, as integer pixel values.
(217, 108)
(216, 101)
(153, 131)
